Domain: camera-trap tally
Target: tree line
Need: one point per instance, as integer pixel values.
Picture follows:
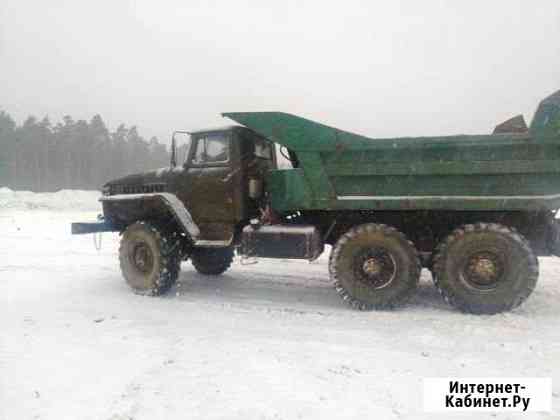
(42, 157)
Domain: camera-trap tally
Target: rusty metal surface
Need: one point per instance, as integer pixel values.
(516, 124)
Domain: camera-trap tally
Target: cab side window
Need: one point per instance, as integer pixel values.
(211, 149)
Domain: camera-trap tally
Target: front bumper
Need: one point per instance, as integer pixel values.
(92, 227)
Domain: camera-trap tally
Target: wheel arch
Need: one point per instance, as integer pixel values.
(125, 209)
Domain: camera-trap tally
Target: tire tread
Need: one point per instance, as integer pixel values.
(440, 256)
(351, 235)
(170, 261)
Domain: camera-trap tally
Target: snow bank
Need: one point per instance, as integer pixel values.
(63, 200)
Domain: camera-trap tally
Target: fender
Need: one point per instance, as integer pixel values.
(145, 202)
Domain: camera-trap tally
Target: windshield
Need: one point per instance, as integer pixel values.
(211, 148)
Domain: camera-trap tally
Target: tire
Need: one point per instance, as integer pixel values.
(212, 261)
(485, 268)
(374, 266)
(554, 238)
(148, 262)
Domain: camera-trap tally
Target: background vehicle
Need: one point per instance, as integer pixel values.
(475, 210)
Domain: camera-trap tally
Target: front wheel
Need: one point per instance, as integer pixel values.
(148, 262)
(485, 268)
(374, 267)
(212, 261)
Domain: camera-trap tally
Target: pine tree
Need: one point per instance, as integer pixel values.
(72, 154)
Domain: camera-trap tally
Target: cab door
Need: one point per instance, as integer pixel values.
(209, 171)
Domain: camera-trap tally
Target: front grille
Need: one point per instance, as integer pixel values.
(137, 189)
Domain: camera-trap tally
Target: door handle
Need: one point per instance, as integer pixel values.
(229, 176)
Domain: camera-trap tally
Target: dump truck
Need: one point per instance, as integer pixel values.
(475, 210)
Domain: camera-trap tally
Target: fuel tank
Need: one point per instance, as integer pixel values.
(282, 241)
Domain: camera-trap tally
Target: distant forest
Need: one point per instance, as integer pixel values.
(42, 157)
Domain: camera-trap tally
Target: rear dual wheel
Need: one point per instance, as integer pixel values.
(485, 268)
(374, 266)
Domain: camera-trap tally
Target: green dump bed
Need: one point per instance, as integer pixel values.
(340, 170)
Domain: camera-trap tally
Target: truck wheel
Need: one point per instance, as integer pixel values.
(374, 267)
(149, 265)
(554, 238)
(212, 261)
(485, 268)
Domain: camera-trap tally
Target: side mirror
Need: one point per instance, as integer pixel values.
(173, 162)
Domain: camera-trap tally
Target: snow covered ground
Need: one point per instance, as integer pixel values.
(264, 341)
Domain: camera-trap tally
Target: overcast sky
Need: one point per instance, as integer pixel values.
(380, 68)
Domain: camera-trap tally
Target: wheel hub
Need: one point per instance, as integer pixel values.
(372, 267)
(484, 270)
(142, 258)
(375, 267)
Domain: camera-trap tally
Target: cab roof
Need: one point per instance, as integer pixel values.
(217, 128)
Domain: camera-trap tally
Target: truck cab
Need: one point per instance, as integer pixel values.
(198, 208)
(217, 174)
(220, 178)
